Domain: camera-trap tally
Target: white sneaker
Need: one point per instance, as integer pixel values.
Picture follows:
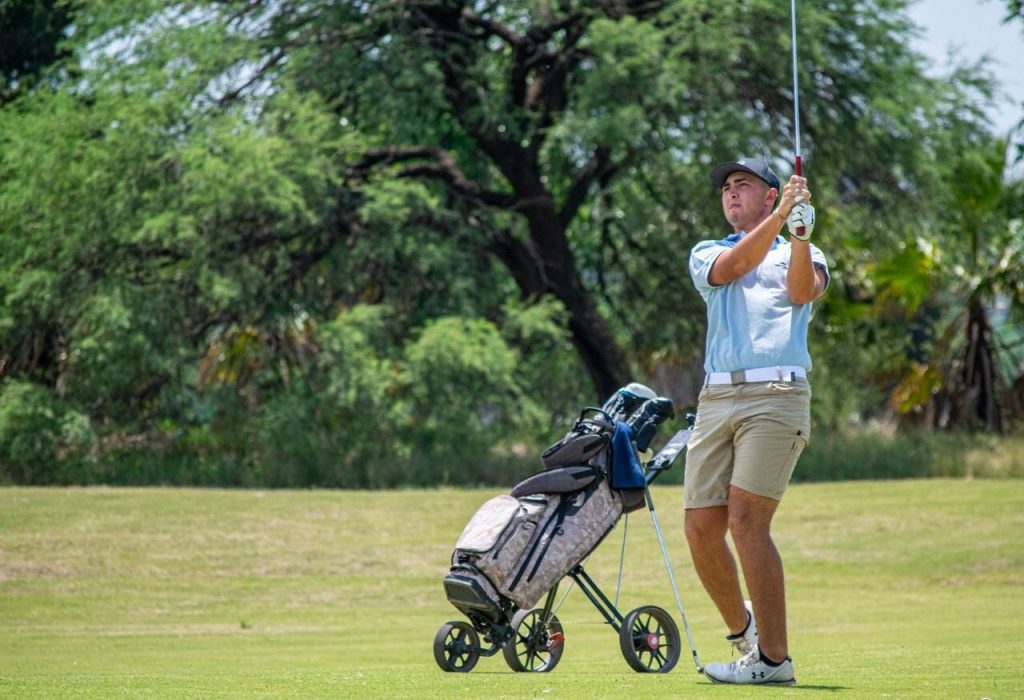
(745, 641)
(750, 669)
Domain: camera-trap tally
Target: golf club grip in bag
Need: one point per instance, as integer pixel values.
(634, 403)
(521, 547)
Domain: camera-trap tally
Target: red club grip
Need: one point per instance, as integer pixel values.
(800, 172)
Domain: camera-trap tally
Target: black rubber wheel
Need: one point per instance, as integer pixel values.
(536, 646)
(456, 647)
(649, 640)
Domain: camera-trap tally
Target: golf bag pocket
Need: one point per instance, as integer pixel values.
(575, 448)
(472, 593)
(558, 480)
(587, 438)
(487, 524)
(574, 528)
(499, 562)
(524, 546)
(490, 548)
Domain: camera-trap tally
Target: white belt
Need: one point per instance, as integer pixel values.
(761, 374)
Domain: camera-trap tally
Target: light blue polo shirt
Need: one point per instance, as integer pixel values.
(751, 321)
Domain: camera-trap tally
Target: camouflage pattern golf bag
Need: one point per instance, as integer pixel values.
(516, 547)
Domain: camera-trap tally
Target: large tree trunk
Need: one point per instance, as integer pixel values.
(970, 395)
(542, 262)
(547, 266)
(535, 93)
(980, 400)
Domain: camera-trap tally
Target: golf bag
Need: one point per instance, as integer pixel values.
(517, 547)
(520, 547)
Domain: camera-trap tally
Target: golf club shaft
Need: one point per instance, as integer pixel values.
(672, 579)
(798, 160)
(622, 559)
(796, 92)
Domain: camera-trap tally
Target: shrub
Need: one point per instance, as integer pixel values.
(41, 440)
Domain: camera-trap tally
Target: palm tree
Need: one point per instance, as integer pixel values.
(974, 372)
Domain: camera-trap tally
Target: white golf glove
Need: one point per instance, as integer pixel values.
(802, 215)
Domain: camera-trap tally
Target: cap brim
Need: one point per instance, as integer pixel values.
(722, 172)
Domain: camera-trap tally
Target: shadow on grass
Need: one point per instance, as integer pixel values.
(797, 686)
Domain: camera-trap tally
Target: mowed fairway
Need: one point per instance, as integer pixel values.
(909, 589)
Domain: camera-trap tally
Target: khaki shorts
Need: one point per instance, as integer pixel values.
(749, 436)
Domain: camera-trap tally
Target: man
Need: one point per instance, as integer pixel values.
(753, 413)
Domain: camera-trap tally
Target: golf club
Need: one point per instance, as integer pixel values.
(798, 161)
(796, 94)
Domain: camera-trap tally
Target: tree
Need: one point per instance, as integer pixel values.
(973, 285)
(545, 107)
(506, 89)
(195, 215)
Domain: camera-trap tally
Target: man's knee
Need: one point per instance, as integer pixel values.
(749, 526)
(705, 525)
(743, 526)
(750, 515)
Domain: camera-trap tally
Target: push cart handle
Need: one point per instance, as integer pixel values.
(667, 455)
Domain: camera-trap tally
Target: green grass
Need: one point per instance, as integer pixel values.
(906, 589)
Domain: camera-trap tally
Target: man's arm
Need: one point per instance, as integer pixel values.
(804, 281)
(748, 253)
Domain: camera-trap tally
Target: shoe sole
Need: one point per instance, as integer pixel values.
(791, 681)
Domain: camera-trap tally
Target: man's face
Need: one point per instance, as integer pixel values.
(746, 200)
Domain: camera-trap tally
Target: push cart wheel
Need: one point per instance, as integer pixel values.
(649, 640)
(536, 645)
(456, 647)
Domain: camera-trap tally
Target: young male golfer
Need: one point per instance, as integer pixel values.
(753, 413)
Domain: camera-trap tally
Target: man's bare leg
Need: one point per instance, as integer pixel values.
(749, 522)
(715, 564)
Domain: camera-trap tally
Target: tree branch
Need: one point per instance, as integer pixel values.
(275, 58)
(599, 167)
(523, 261)
(439, 166)
(459, 184)
(492, 27)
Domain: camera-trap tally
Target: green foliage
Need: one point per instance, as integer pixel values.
(297, 243)
(874, 454)
(465, 411)
(1014, 10)
(341, 407)
(453, 404)
(41, 439)
(112, 351)
(547, 367)
(949, 285)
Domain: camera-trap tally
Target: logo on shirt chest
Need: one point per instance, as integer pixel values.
(772, 273)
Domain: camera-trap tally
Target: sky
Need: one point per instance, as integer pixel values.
(974, 28)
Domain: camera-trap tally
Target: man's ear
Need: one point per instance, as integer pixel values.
(773, 195)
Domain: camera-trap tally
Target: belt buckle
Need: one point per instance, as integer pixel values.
(738, 377)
